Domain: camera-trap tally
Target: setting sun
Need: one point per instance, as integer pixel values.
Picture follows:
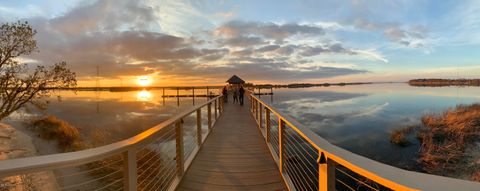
(144, 80)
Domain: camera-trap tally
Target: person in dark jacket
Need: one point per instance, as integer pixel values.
(241, 92)
(225, 94)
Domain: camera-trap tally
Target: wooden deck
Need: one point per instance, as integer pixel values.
(234, 157)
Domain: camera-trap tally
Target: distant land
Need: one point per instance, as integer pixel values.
(307, 85)
(262, 86)
(444, 82)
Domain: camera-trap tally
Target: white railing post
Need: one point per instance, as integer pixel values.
(256, 110)
(252, 105)
(220, 105)
(199, 127)
(209, 116)
(179, 147)
(267, 124)
(260, 115)
(215, 109)
(130, 170)
(281, 137)
(251, 102)
(326, 173)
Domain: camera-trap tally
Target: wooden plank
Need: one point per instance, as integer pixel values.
(195, 186)
(234, 157)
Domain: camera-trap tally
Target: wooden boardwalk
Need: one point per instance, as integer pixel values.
(234, 157)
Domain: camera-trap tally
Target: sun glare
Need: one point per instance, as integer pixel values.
(144, 95)
(144, 81)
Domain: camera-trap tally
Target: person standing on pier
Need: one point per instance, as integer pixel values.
(235, 95)
(225, 94)
(241, 91)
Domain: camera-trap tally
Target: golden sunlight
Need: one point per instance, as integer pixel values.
(144, 80)
(144, 95)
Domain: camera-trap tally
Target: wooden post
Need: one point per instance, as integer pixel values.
(199, 127)
(258, 111)
(267, 124)
(130, 170)
(178, 98)
(179, 147)
(209, 116)
(193, 95)
(281, 129)
(222, 104)
(163, 96)
(255, 108)
(326, 176)
(208, 95)
(251, 103)
(215, 109)
(260, 115)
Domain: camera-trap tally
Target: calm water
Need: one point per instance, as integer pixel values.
(360, 118)
(357, 118)
(115, 115)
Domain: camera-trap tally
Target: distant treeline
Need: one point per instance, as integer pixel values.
(444, 82)
(307, 85)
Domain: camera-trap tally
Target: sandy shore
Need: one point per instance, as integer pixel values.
(16, 144)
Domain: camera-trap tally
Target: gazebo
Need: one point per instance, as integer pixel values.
(235, 80)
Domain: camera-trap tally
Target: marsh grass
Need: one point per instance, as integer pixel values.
(53, 128)
(447, 137)
(150, 164)
(399, 136)
(449, 141)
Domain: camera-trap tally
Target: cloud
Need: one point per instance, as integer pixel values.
(334, 48)
(371, 54)
(132, 38)
(243, 41)
(266, 29)
(414, 36)
(104, 15)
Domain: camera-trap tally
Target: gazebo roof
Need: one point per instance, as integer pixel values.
(235, 80)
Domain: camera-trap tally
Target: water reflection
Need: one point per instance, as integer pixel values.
(360, 118)
(115, 115)
(144, 95)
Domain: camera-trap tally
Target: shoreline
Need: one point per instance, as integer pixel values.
(17, 144)
(433, 82)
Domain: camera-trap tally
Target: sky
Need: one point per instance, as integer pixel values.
(180, 42)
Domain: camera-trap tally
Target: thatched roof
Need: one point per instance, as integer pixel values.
(235, 80)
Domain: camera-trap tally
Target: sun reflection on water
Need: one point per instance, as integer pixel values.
(144, 95)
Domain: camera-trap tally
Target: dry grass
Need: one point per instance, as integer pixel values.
(399, 136)
(52, 128)
(475, 176)
(445, 138)
(150, 165)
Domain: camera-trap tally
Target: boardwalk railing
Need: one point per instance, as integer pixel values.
(308, 162)
(155, 159)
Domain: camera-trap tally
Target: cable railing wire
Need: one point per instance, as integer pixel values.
(159, 160)
(308, 167)
(307, 175)
(298, 183)
(89, 170)
(168, 168)
(89, 181)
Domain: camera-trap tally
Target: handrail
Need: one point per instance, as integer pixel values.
(55, 161)
(386, 175)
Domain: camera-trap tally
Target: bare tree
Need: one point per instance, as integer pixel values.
(20, 85)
